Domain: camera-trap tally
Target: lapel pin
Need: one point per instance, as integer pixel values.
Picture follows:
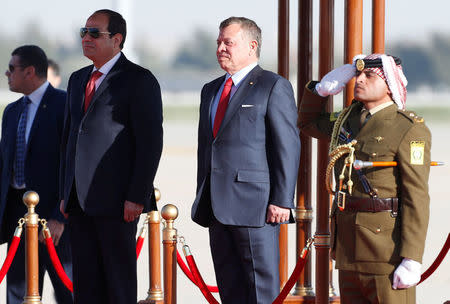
(251, 82)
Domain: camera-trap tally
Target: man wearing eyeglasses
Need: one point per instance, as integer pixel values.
(111, 146)
(29, 160)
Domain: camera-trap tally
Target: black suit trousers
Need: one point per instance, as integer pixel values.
(246, 262)
(104, 257)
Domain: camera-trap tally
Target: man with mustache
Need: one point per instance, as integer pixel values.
(111, 146)
(379, 224)
(248, 156)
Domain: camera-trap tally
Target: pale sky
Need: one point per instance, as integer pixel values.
(163, 24)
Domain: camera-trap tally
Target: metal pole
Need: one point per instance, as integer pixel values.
(283, 70)
(322, 236)
(31, 199)
(169, 212)
(303, 291)
(378, 24)
(353, 39)
(155, 293)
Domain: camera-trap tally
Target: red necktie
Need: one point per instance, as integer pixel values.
(90, 89)
(222, 107)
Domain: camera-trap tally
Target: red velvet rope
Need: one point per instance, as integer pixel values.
(197, 277)
(188, 273)
(293, 278)
(280, 298)
(139, 244)
(57, 264)
(10, 257)
(437, 261)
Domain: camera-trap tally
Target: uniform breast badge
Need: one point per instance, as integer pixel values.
(417, 152)
(379, 138)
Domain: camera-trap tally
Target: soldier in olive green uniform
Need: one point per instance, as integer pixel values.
(378, 234)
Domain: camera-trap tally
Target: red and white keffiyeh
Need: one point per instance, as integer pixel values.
(392, 74)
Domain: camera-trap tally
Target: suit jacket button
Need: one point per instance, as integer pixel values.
(374, 154)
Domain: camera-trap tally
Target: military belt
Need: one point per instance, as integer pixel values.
(376, 204)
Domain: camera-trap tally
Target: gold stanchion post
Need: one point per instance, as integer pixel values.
(155, 293)
(31, 199)
(169, 212)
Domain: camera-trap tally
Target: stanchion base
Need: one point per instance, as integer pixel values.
(335, 300)
(292, 299)
(32, 300)
(332, 292)
(154, 297)
(303, 291)
(151, 301)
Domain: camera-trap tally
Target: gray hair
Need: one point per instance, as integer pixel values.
(251, 29)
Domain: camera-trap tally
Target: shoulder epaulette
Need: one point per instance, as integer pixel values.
(412, 116)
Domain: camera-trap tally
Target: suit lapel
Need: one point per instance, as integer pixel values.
(117, 68)
(353, 121)
(81, 91)
(379, 120)
(14, 116)
(209, 98)
(40, 113)
(239, 96)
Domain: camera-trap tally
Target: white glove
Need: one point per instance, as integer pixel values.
(407, 274)
(333, 82)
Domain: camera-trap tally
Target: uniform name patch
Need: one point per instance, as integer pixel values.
(417, 152)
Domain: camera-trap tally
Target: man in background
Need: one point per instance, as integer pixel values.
(53, 73)
(29, 160)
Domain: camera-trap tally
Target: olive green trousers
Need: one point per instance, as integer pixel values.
(365, 288)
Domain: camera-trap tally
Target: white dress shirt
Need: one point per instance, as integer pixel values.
(35, 98)
(104, 69)
(237, 80)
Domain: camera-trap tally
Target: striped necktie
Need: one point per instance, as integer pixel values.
(21, 144)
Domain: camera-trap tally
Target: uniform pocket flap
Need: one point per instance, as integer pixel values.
(379, 222)
(373, 148)
(253, 176)
(377, 238)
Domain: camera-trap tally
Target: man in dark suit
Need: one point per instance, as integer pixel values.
(111, 147)
(248, 156)
(29, 160)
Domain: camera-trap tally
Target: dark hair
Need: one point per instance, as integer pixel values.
(32, 55)
(116, 23)
(55, 67)
(251, 29)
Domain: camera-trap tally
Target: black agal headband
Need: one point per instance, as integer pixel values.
(362, 64)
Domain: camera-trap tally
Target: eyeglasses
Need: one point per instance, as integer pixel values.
(11, 68)
(92, 31)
